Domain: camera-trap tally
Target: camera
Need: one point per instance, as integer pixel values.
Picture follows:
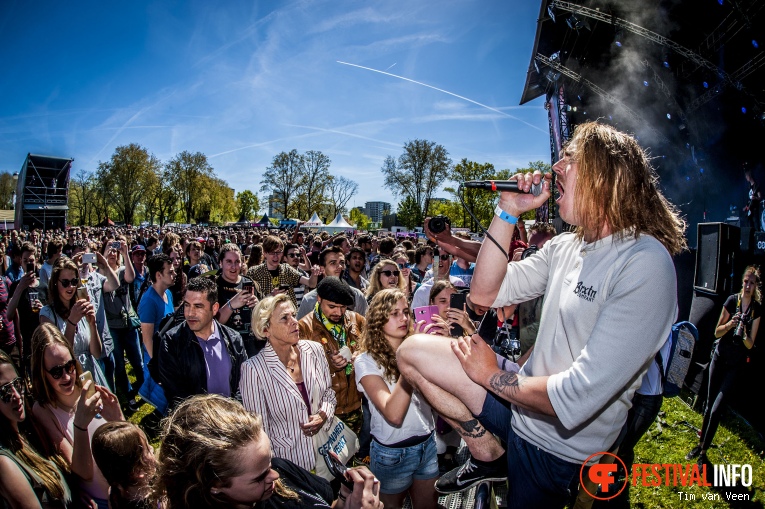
(529, 251)
(439, 223)
(507, 344)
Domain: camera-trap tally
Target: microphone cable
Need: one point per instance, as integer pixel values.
(460, 191)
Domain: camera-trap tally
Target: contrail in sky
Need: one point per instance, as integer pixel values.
(445, 92)
(389, 67)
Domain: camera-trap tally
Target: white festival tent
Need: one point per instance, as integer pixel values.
(314, 222)
(338, 225)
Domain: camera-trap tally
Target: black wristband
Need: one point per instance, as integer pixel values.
(68, 320)
(79, 428)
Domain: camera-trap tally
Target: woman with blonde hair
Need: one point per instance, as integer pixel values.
(69, 411)
(215, 454)
(385, 275)
(736, 329)
(288, 382)
(403, 451)
(27, 479)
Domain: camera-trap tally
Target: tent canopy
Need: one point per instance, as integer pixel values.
(313, 222)
(338, 225)
(264, 221)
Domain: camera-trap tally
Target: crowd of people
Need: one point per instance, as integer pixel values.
(254, 343)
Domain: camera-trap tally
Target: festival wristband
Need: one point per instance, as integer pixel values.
(510, 219)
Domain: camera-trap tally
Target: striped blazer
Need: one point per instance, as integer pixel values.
(268, 389)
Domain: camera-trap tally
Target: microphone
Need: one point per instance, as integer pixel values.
(494, 185)
(502, 185)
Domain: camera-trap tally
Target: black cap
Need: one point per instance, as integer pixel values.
(335, 290)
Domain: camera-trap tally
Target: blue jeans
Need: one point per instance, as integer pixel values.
(127, 343)
(535, 478)
(398, 467)
(107, 366)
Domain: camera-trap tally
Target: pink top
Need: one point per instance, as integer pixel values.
(96, 487)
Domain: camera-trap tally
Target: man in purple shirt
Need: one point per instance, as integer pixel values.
(200, 355)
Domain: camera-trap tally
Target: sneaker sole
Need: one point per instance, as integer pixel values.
(468, 486)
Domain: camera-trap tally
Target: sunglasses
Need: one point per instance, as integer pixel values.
(389, 273)
(402, 266)
(6, 391)
(58, 371)
(293, 255)
(66, 283)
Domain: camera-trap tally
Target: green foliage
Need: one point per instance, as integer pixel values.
(418, 173)
(7, 189)
(191, 175)
(360, 220)
(409, 213)
(248, 204)
(125, 177)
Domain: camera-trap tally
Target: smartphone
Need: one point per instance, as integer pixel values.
(82, 293)
(248, 288)
(30, 267)
(88, 258)
(457, 301)
(337, 468)
(116, 245)
(284, 287)
(425, 313)
(84, 377)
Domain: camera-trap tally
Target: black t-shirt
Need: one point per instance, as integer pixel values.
(241, 319)
(313, 490)
(28, 319)
(731, 349)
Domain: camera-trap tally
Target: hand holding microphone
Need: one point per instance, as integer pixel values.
(521, 193)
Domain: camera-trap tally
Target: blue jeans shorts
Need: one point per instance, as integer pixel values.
(397, 468)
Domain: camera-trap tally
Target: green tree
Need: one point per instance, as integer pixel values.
(313, 186)
(190, 173)
(7, 190)
(125, 177)
(283, 180)
(360, 220)
(82, 199)
(481, 203)
(247, 204)
(162, 202)
(418, 173)
(409, 213)
(219, 203)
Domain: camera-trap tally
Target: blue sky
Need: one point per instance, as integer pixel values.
(242, 81)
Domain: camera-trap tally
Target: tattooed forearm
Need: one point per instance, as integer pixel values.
(471, 429)
(504, 382)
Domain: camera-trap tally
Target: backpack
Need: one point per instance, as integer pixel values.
(682, 339)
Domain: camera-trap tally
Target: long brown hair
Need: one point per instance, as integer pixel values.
(373, 340)
(19, 444)
(59, 306)
(618, 187)
(201, 449)
(119, 450)
(45, 335)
